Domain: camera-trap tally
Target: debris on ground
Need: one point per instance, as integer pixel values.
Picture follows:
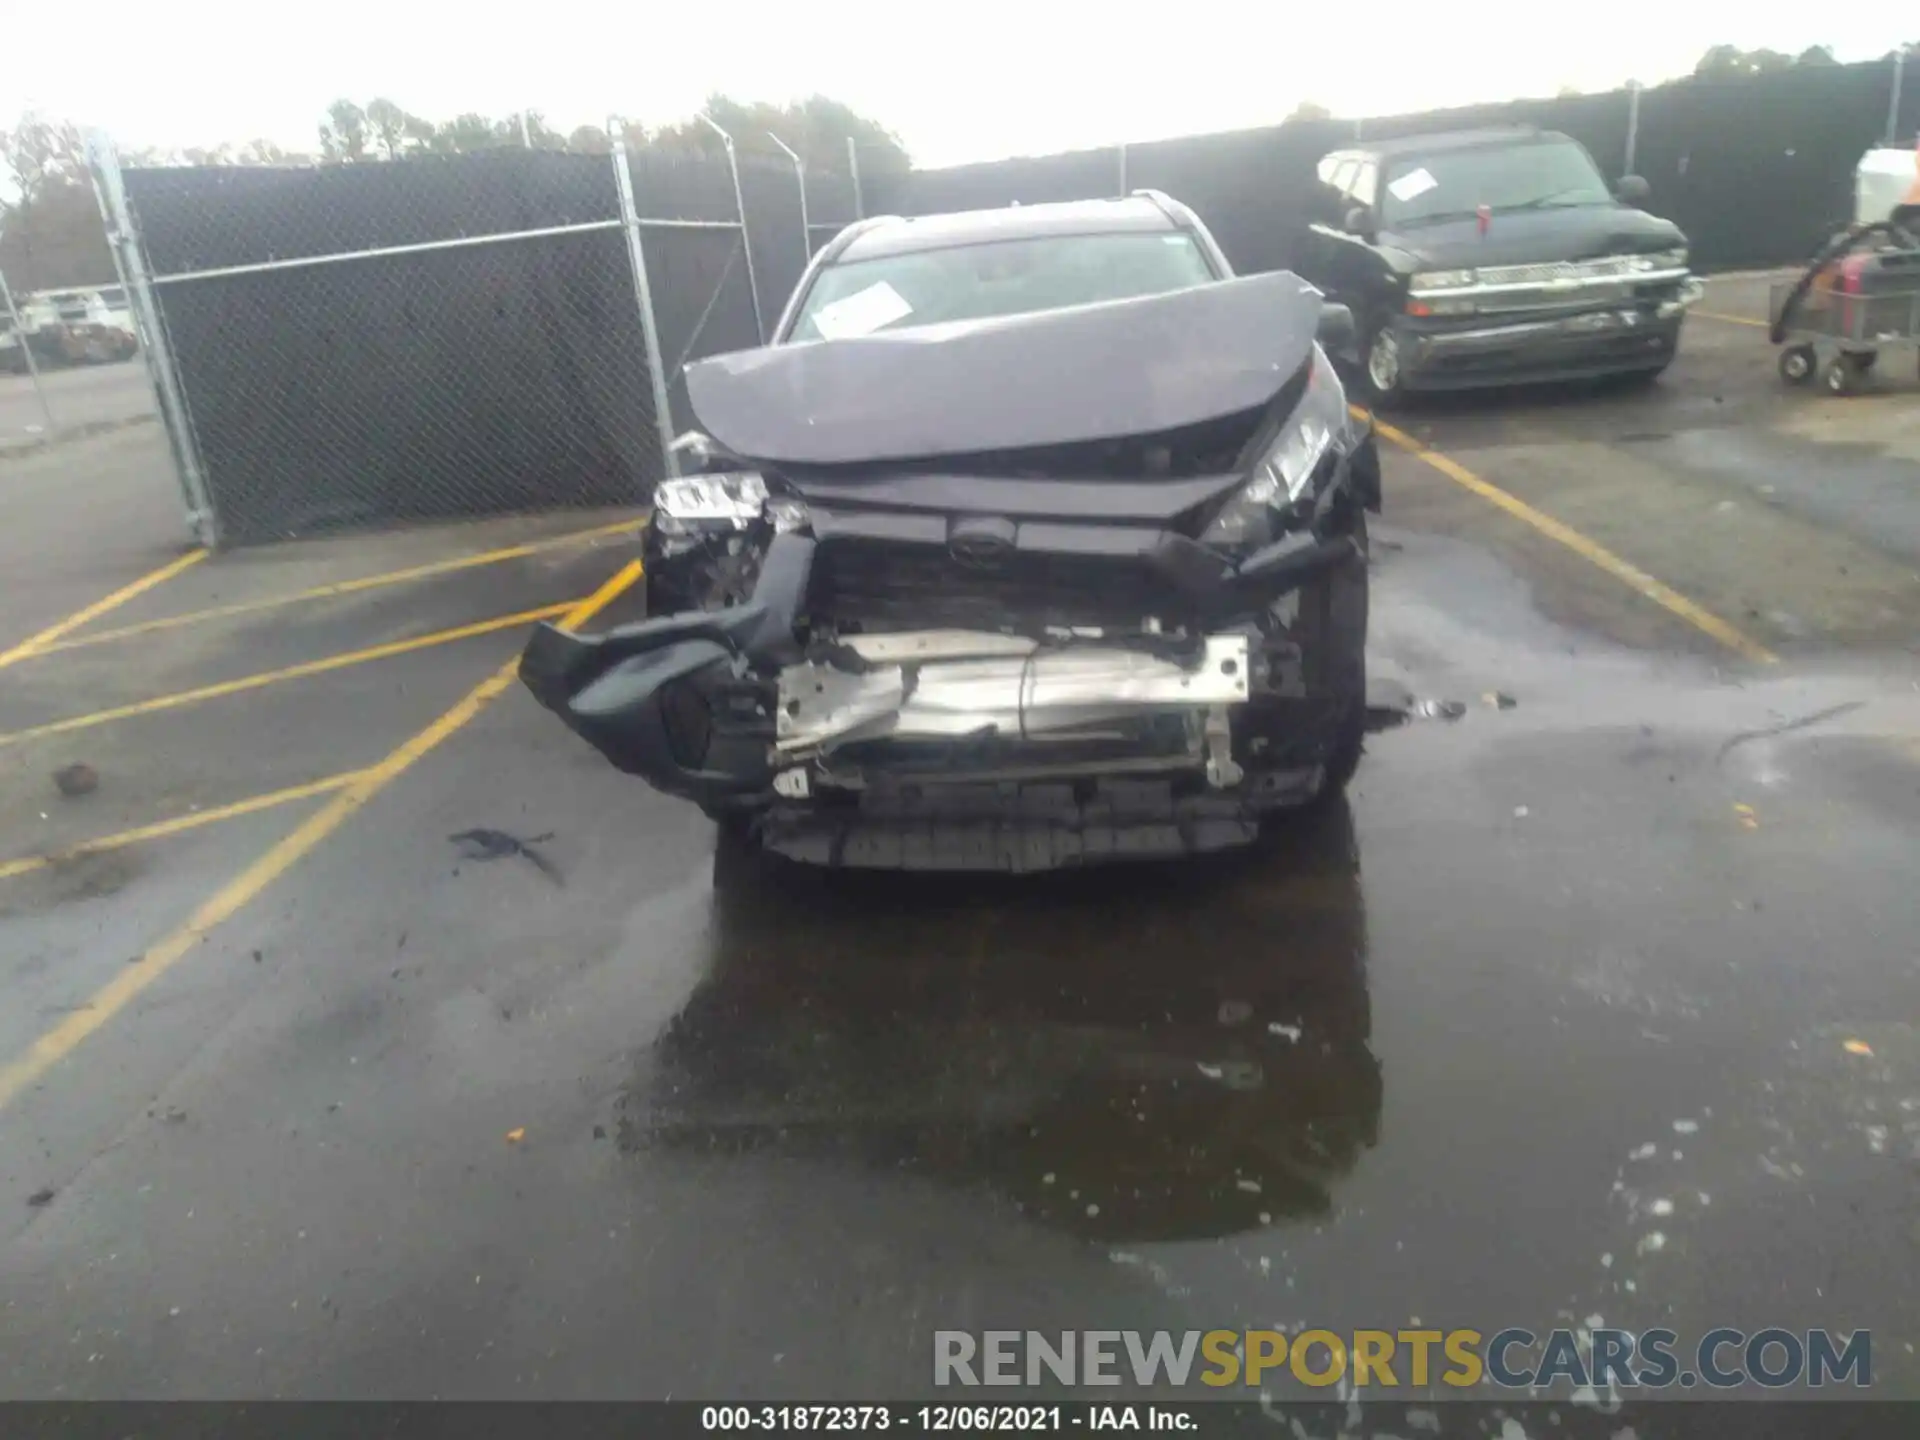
(76, 780)
(40, 1198)
(484, 845)
(1498, 700)
(1235, 1012)
(1786, 727)
(1439, 709)
(516, 1135)
(1857, 1047)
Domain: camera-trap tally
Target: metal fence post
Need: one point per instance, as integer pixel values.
(643, 297)
(26, 354)
(853, 168)
(740, 208)
(1123, 169)
(123, 238)
(1633, 126)
(800, 178)
(1893, 100)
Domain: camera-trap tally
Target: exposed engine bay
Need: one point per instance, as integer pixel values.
(1021, 642)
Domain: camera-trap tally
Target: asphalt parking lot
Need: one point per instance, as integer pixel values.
(86, 398)
(1599, 1003)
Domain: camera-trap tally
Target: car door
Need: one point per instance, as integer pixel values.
(1324, 240)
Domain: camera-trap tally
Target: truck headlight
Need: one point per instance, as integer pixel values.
(1675, 259)
(1429, 282)
(1284, 476)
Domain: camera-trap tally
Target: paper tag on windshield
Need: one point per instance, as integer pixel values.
(1412, 184)
(862, 312)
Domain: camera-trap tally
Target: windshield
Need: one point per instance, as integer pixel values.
(1002, 277)
(1502, 177)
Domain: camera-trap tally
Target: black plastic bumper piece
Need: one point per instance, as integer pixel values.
(680, 701)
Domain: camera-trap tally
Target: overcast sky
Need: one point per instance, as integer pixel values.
(972, 80)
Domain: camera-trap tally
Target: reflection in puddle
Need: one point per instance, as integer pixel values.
(1127, 1054)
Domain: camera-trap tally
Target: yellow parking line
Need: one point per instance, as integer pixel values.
(1665, 596)
(26, 865)
(35, 644)
(275, 677)
(1729, 319)
(55, 1045)
(347, 587)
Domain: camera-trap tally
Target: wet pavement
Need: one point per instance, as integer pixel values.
(1600, 1003)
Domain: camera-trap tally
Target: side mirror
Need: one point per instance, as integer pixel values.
(1337, 331)
(1360, 222)
(1632, 190)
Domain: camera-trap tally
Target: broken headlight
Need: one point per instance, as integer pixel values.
(1284, 477)
(737, 498)
(697, 505)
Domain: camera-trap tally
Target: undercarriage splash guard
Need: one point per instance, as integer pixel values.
(1030, 828)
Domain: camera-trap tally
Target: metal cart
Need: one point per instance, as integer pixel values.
(1837, 334)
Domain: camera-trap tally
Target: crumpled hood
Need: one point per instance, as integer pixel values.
(1125, 367)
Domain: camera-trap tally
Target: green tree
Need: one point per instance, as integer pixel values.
(265, 152)
(468, 132)
(38, 152)
(392, 129)
(344, 135)
(817, 129)
(1724, 62)
(50, 231)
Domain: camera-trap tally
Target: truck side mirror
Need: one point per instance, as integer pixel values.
(1632, 190)
(1336, 331)
(1360, 222)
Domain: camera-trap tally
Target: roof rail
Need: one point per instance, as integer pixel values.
(1181, 215)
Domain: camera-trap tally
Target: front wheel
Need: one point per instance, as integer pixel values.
(1380, 371)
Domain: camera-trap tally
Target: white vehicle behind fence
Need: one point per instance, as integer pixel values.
(84, 326)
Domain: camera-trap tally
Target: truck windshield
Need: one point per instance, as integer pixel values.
(1002, 277)
(1528, 176)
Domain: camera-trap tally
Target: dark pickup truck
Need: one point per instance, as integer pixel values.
(1494, 257)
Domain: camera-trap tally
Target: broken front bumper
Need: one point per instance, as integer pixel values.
(929, 730)
(1440, 354)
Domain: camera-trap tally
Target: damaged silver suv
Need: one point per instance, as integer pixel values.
(1035, 538)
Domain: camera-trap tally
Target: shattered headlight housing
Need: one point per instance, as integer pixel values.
(1282, 482)
(738, 498)
(696, 505)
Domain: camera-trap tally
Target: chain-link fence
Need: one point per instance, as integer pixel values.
(349, 345)
(355, 345)
(726, 245)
